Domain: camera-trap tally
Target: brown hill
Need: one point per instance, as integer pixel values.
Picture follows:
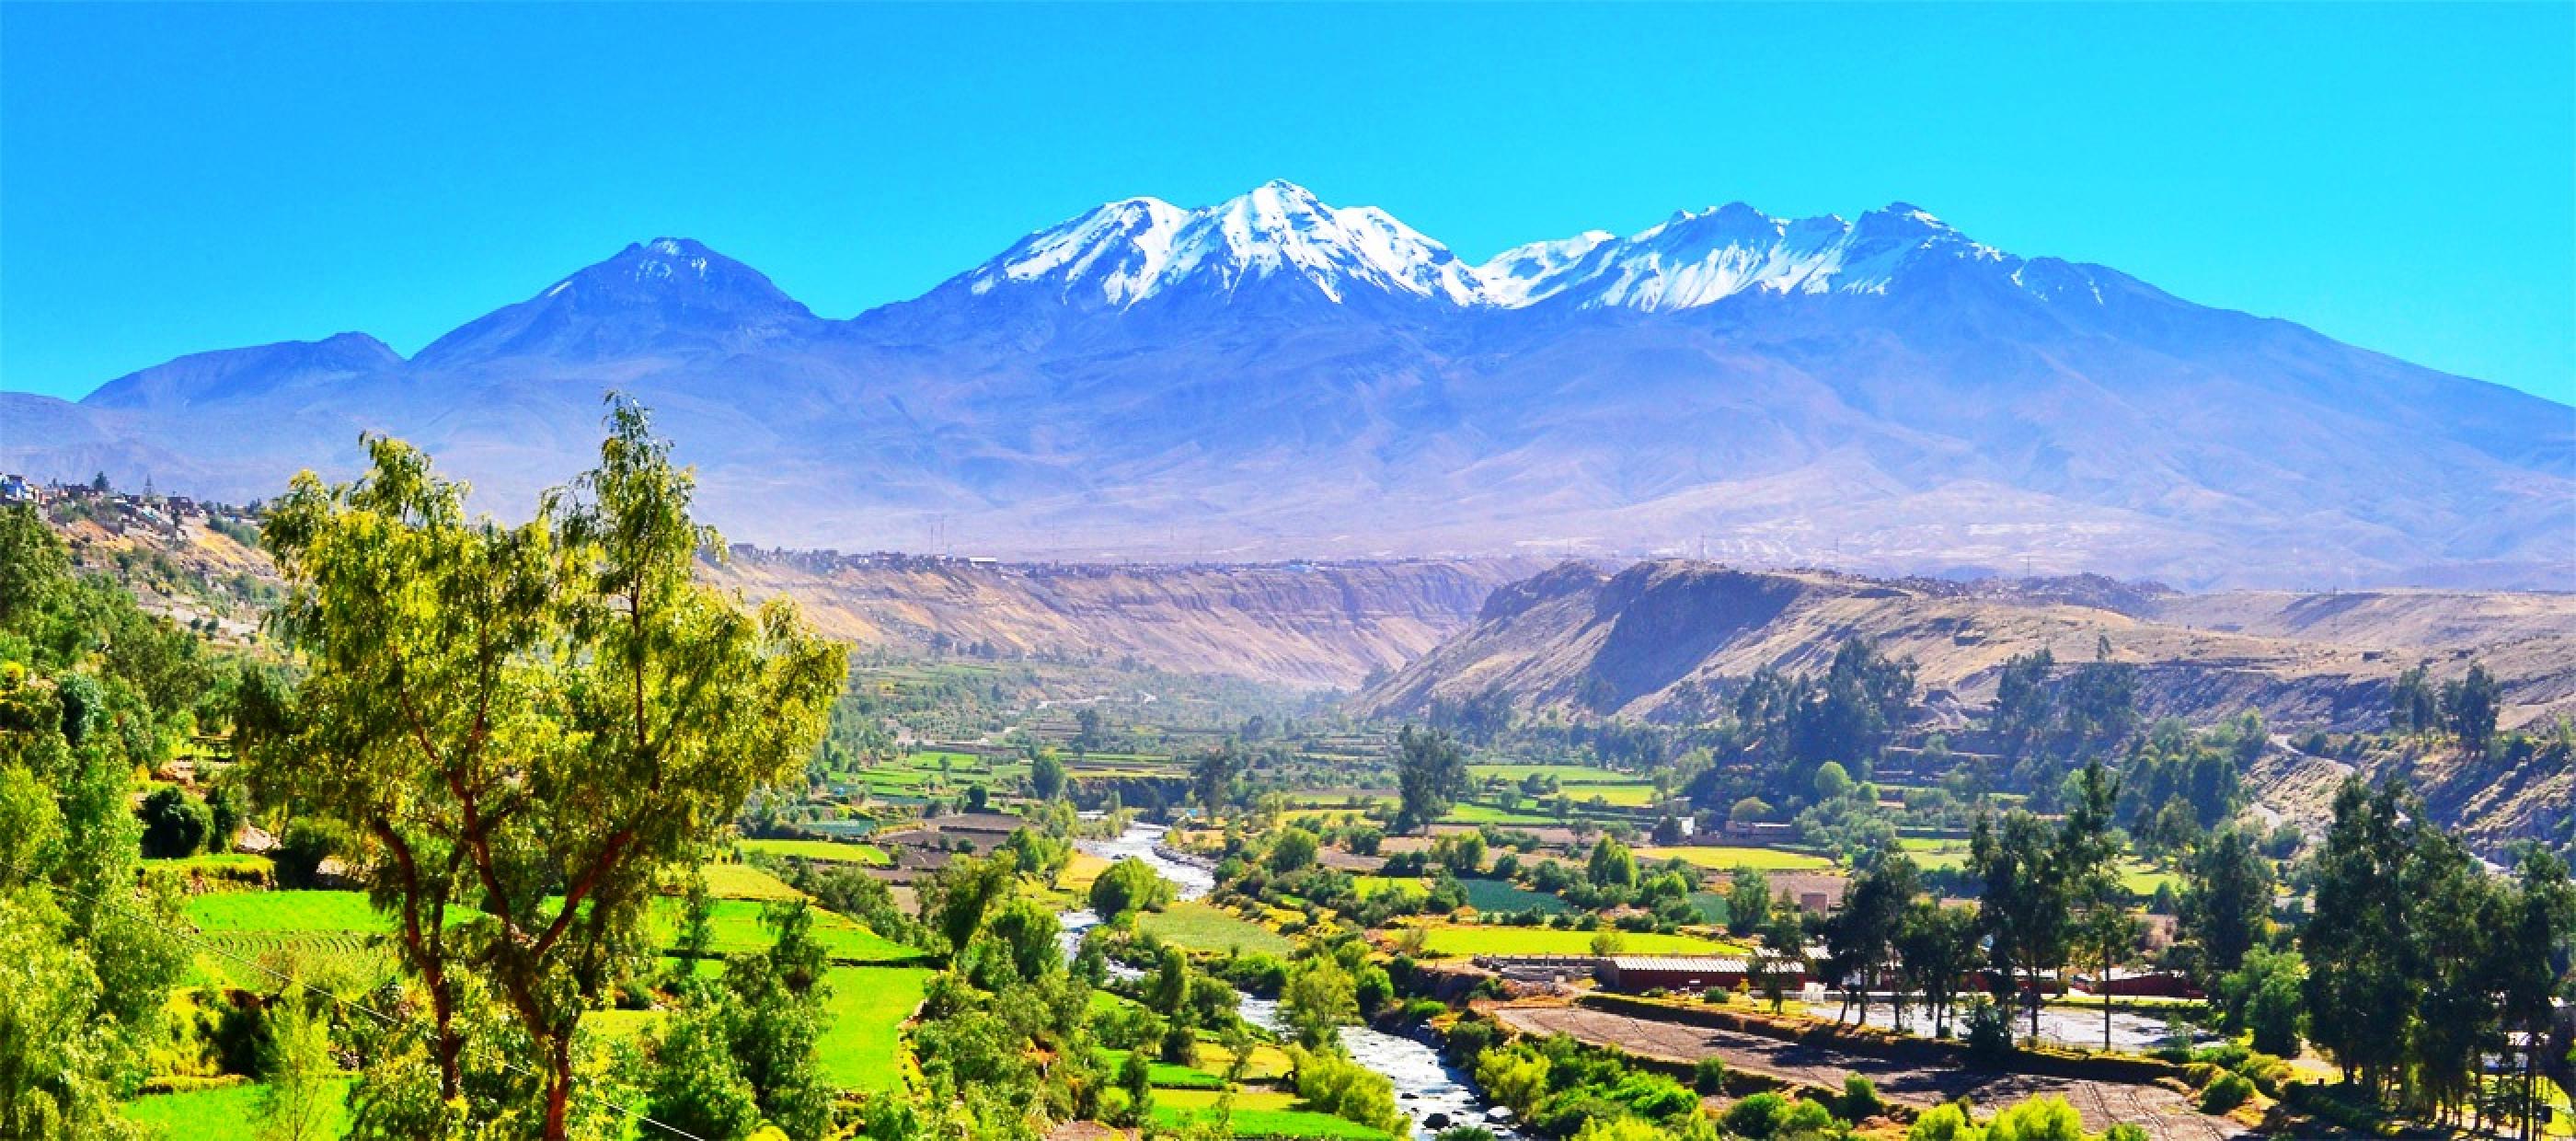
(1656, 640)
(1312, 625)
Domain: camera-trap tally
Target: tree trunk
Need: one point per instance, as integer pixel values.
(558, 1085)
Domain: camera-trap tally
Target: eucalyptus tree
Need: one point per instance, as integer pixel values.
(525, 729)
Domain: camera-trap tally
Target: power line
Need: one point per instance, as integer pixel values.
(352, 1004)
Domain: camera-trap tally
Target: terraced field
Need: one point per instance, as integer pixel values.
(1454, 939)
(823, 851)
(1728, 858)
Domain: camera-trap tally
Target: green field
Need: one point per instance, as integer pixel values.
(225, 1113)
(737, 922)
(1568, 776)
(286, 911)
(1463, 939)
(1259, 1113)
(1473, 813)
(743, 881)
(1200, 927)
(868, 1009)
(1730, 858)
(1368, 886)
(1496, 895)
(738, 927)
(825, 851)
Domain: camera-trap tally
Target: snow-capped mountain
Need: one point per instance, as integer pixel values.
(1278, 235)
(1275, 376)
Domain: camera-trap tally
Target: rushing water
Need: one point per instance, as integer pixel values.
(1425, 1086)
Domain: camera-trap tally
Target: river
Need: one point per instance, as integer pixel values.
(1425, 1086)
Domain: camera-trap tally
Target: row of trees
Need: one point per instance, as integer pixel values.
(2465, 707)
(2419, 962)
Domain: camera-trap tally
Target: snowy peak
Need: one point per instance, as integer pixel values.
(665, 294)
(1699, 258)
(1279, 233)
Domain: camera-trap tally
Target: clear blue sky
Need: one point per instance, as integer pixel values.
(177, 179)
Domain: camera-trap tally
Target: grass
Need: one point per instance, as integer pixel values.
(823, 851)
(1464, 939)
(1474, 813)
(1199, 927)
(217, 862)
(868, 1007)
(743, 881)
(1259, 1113)
(1568, 776)
(1162, 1075)
(1367, 886)
(1729, 858)
(738, 927)
(286, 911)
(224, 1113)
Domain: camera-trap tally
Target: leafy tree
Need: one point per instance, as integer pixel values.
(1129, 885)
(2226, 901)
(2025, 710)
(1611, 865)
(533, 724)
(1047, 776)
(1937, 946)
(2469, 708)
(173, 824)
(2357, 944)
(1861, 935)
(35, 566)
(296, 1071)
(1430, 773)
(1833, 782)
(1319, 999)
(1293, 851)
(2414, 705)
(1087, 734)
(1748, 902)
(2023, 908)
(1333, 1083)
(1212, 776)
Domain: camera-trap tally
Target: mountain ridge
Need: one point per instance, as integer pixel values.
(1276, 377)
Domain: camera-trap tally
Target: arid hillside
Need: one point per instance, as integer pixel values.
(1660, 640)
(1312, 625)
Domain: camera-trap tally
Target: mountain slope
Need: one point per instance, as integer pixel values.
(1669, 639)
(1277, 377)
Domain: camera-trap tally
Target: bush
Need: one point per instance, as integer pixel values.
(1709, 1076)
(2046, 1118)
(1989, 1032)
(1757, 1117)
(2227, 1092)
(1944, 1123)
(1860, 1100)
(173, 824)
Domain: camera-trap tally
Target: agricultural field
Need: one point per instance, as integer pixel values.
(743, 881)
(821, 851)
(1497, 895)
(868, 1008)
(1201, 927)
(1258, 1113)
(1367, 886)
(1730, 857)
(221, 1113)
(1455, 939)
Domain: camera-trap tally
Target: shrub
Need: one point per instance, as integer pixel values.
(2045, 1118)
(1989, 1032)
(1944, 1123)
(1757, 1117)
(1860, 1100)
(2227, 1092)
(173, 824)
(1709, 1076)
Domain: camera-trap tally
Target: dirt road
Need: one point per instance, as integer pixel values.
(2164, 1114)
